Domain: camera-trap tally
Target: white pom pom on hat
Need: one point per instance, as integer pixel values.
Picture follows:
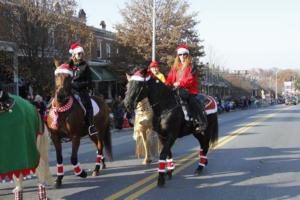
(64, 69)
(76, 48)
(182, 49)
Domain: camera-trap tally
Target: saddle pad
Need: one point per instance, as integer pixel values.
(96, 108)
(18, 136)
(211, 107)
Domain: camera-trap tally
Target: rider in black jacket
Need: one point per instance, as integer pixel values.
(82, 82)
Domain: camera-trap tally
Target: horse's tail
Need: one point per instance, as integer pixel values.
(43, 170)
(108, 143)
(213, 128)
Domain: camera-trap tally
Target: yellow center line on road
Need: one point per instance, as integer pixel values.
(191, 161)
(145, 180)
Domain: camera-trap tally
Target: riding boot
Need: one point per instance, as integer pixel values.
(90, 119)
(89, 113)
(198, 113)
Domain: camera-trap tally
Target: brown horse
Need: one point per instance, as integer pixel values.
(67, 120)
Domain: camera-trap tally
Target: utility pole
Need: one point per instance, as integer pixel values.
(153, 31)
(276, 96)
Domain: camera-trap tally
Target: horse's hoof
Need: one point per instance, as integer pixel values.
(83, 174)
(161, 180)
(161, 183)
(58, 184)
(147, 162)
(199, 170)
(170, 174)
(96, 173)
(58, 181)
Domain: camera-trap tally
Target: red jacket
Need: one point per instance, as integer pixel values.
(187, 80)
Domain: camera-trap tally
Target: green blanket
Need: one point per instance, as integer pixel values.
(18, 136)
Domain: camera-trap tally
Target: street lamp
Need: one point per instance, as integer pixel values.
(153, 31)
(276, 96)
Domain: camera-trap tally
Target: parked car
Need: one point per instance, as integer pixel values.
(291, 101)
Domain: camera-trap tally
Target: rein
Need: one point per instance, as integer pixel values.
(56, 110)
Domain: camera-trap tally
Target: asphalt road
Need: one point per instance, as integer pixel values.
(257, 158)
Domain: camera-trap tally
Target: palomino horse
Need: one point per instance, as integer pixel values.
(66, 119)
(146, 144)
(169, 120)
(23, 145)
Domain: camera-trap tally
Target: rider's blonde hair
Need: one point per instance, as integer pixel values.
(187, 62)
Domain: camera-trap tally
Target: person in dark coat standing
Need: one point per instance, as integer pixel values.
(82, 82)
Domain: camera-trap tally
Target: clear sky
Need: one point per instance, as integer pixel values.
(237, 34)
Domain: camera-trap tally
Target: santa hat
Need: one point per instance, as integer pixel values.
(76, 48)
(154, 64)
(182, 49)
(64, 69)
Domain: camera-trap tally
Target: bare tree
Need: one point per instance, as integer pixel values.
(173, 26)
(42, 29)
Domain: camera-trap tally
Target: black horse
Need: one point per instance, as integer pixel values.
(169, 120)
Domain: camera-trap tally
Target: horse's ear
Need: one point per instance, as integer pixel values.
(128, 77)
(56, 62)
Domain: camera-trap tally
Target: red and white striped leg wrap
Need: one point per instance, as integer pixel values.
(18, 193)
(42, 192)
(60, 169)
(77, 169)
(170, 164)
(162, 166)
(99, 159)
(202, 159)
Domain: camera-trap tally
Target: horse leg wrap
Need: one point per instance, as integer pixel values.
(202, 159)
(18, 193)
(60, 169)
(170, 164)
(77, 169)
(162, 166)
(99, 159)
(42, 192)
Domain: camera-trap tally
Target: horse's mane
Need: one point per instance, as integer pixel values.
(161, 92)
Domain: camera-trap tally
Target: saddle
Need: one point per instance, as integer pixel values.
(95, 106)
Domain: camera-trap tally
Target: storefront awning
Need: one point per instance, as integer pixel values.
(100, 74)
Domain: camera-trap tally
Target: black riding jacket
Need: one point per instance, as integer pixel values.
(82, 76)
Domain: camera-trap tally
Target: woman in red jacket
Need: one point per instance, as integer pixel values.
(184, 77)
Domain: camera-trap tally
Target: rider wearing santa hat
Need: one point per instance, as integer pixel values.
(184, 77)
(154, 67)
(82, 82)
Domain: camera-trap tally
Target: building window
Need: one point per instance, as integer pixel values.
(108, 50)
(99, 49)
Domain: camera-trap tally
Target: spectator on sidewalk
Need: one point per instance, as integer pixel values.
(118, 111)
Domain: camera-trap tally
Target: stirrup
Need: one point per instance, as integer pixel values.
(92, 130)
